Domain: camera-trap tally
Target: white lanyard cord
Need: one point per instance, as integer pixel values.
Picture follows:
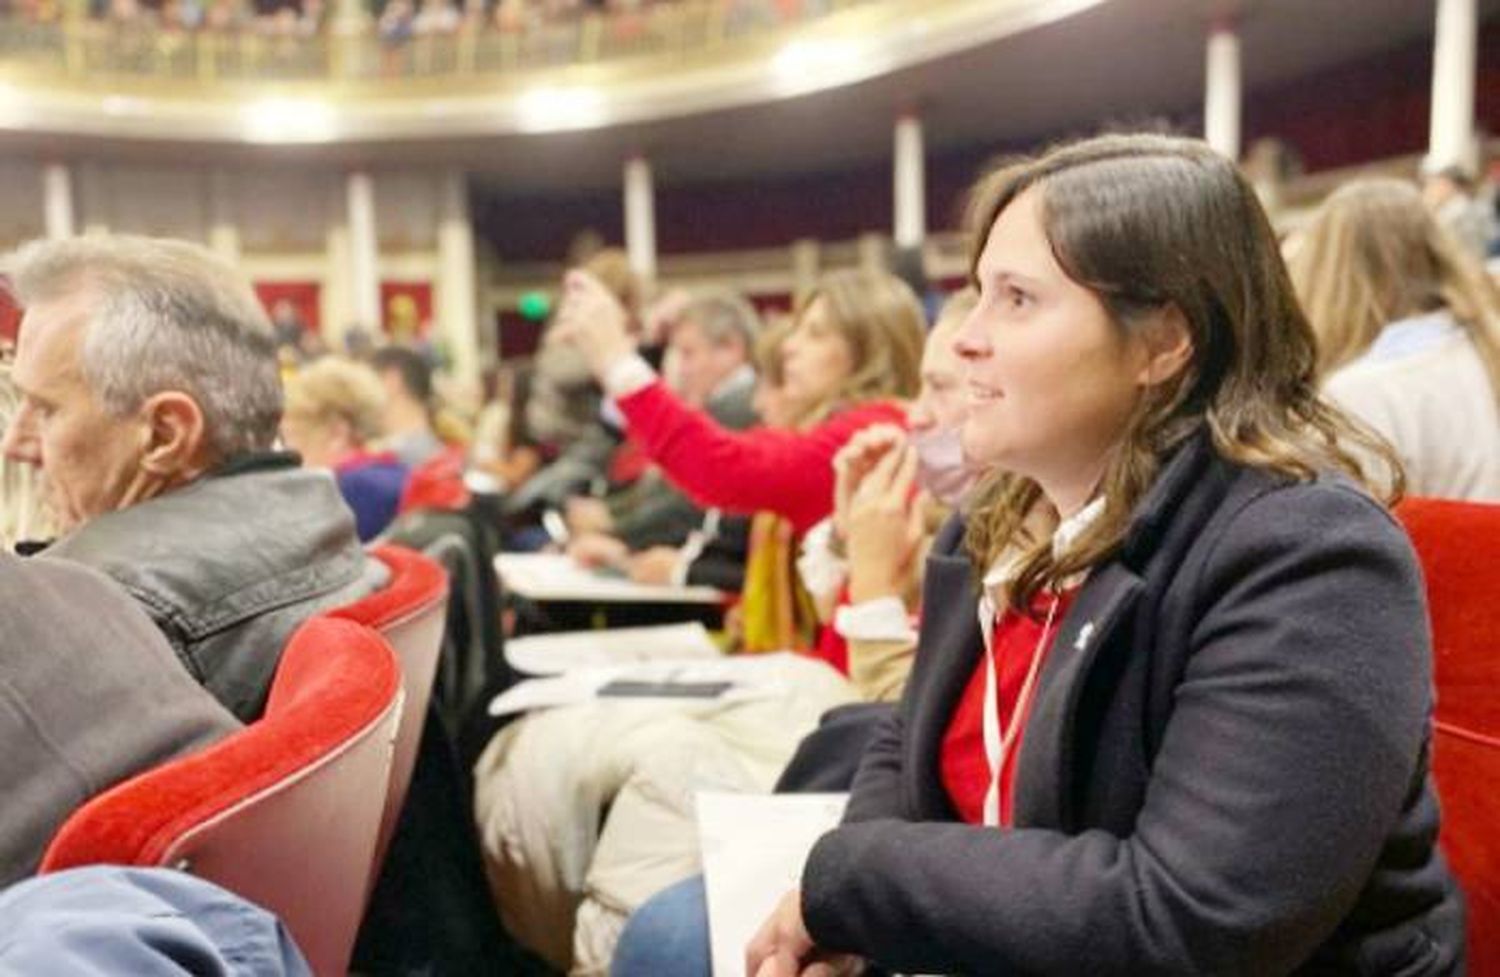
(1000, 743)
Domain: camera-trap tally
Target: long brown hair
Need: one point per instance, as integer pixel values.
(1374, 254)
(1154, 222)
(882, 321)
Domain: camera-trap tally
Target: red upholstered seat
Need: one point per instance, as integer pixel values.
(1459, 546)
(284, 812)
(410, 612)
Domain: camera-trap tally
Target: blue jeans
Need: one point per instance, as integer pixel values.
(112, 920)
(667, 936)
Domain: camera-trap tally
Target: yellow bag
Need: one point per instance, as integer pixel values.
(776, 611)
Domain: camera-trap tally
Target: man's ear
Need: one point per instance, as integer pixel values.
(176, 442)
(1168, 344)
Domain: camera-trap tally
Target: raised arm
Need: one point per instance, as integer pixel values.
(786, 472)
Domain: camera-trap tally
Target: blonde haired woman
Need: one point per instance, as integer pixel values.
(334, 409)
(1408, 329)
(853, 356)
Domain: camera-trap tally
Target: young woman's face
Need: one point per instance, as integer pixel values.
(816, 359)
(1050, 378)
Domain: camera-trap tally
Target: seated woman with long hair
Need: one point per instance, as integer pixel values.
(1170, 714)
(1408, 329)
(853, 355)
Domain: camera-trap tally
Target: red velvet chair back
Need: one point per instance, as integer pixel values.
(410, 612)
(1459, 546)
(283, 812)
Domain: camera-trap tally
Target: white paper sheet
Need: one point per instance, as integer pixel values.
(553, 654)
(545, 577)
(752, 677)
(754, 847)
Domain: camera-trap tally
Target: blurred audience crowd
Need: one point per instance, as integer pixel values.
(395, 21)
(896, 504)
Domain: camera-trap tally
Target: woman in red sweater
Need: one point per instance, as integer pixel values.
(850, 361)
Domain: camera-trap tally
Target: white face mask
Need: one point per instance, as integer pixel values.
(941, 467)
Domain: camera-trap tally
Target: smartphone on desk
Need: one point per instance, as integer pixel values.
(622, 688)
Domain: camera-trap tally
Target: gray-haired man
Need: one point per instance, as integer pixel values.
(150, 401)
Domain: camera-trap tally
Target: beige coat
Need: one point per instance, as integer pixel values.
(1436, 406)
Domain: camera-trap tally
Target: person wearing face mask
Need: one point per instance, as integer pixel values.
(892, 489)
(150, 404)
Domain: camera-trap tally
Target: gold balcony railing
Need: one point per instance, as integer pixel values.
(83, 50)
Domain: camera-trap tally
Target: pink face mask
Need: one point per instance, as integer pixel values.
(942, 469)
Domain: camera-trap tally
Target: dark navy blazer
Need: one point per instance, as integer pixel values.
(1225, 769)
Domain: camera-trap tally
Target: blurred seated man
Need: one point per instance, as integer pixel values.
(407, 378)
(90, 694)
(150, 402)
(562, 406)
(710, 350)
(1449, 193)
(333, 410)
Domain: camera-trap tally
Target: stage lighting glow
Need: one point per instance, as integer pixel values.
(124, 105)
(277, 120)
(10, 104)
(810, 58)
(553, 109)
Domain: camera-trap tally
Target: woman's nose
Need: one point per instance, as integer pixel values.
(970, 341)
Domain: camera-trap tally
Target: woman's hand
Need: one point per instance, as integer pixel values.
(587, 515)
(885, 527)
(654, 566)
(594, 322)
(853, 463)
(783, 948)
(595, 550)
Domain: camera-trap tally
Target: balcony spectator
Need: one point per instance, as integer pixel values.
(436, 17)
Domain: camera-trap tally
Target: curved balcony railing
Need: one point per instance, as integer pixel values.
(86, 50)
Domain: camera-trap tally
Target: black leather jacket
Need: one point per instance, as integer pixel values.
(231, 564)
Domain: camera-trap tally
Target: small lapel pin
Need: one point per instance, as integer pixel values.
(1084, 633)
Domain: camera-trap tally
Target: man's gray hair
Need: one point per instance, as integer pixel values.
(165, 315)
(723, 316)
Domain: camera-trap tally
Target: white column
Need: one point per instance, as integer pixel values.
(335, 304)
(93, 199)
(1221, 92)
(57, 200)
(1451, 135)
(910, 184)
(874, 251)
(350, 16)
(806, 258)
(640, 218)
(455, 286)
(364, 253)
(223, 229)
